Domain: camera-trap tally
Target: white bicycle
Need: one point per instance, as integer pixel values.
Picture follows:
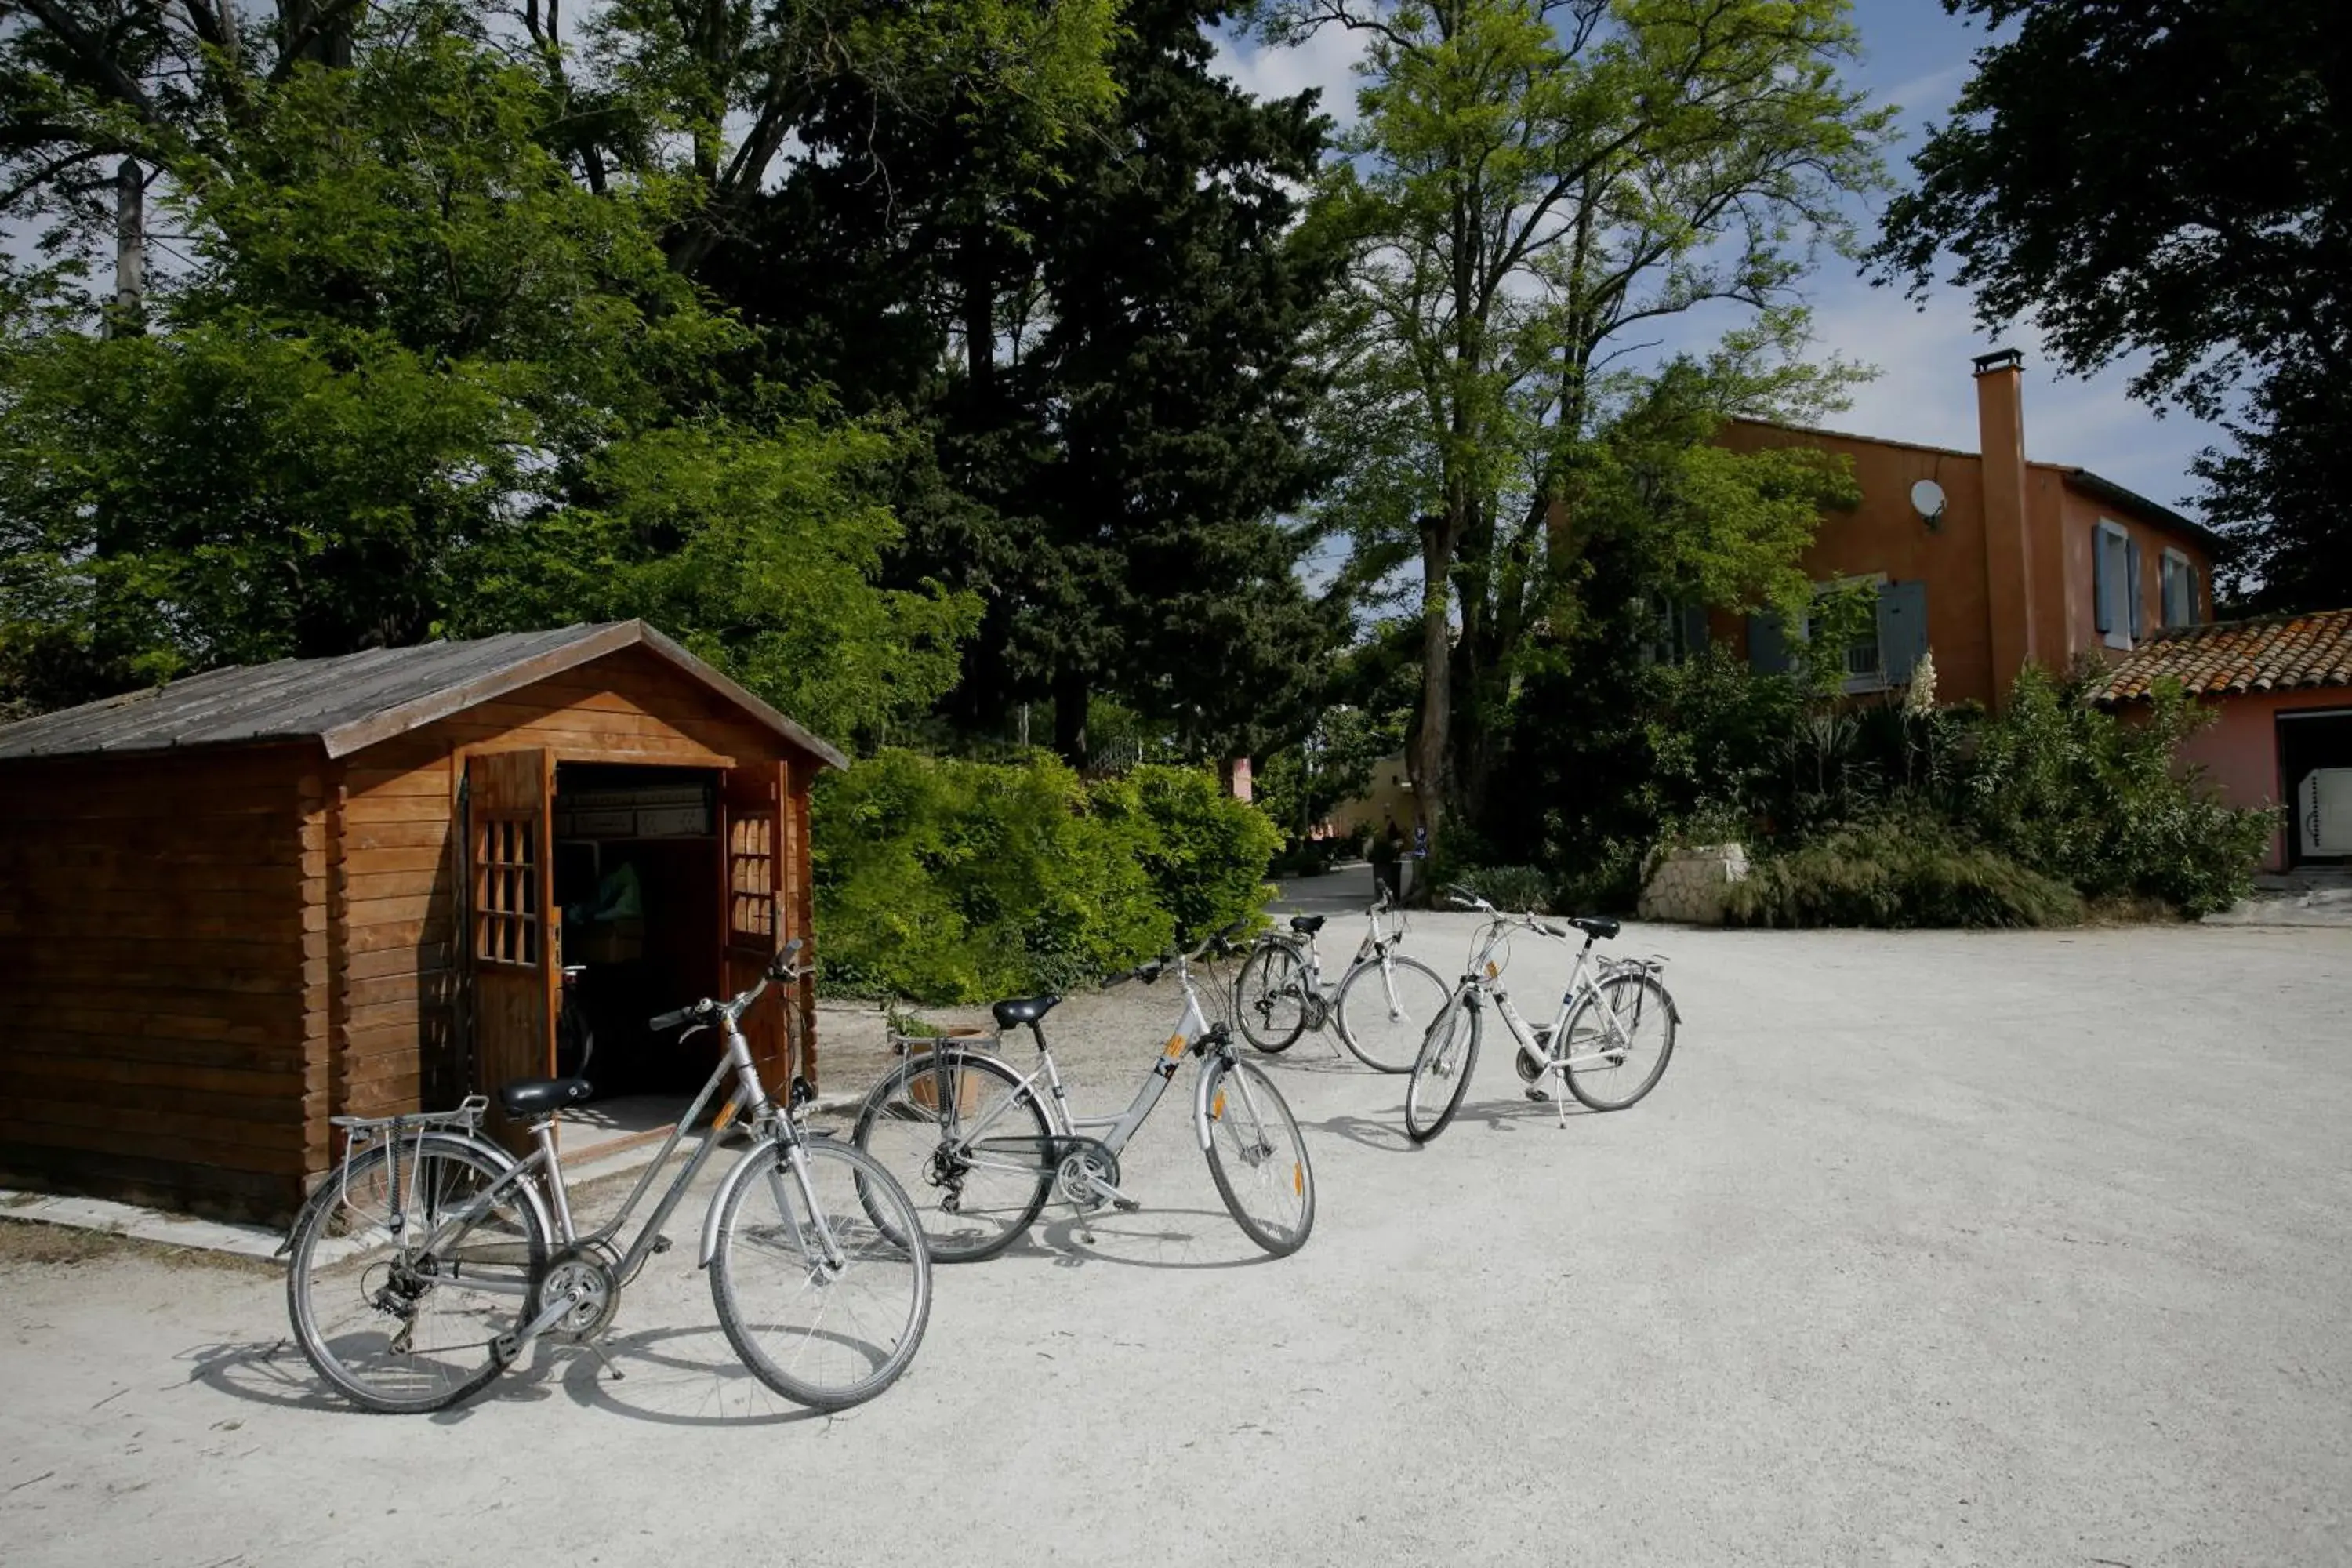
(1383, 1005)
(1608, 1045)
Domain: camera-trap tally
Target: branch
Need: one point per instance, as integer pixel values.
(92, 54)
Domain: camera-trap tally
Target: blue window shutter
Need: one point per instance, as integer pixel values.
(2196, 615)
(1693, 630)
(2101, 592)
(2131, 584)
(1767, 647)
(1902, 628)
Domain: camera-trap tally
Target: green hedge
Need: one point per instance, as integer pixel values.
(1898, 872)
(945, 881)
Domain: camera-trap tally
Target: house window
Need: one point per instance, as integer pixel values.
(506, 891)
(1679, 632)
(2116, 596)
(1863, 657)
(2178, 590)
(751, 877)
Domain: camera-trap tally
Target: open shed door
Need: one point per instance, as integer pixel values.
(751, 836)
(511, 883)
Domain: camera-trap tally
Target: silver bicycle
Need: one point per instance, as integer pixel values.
(985, 1146)
(1383, 1005)
(1608, 1045)
(432, 1259)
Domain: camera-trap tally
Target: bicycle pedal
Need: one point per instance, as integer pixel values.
(1126, 1205)
(661, 1245)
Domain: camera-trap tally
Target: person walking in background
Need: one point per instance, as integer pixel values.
(1388, 845)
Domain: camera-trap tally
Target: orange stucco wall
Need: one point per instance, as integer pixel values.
(1883, 534)
(2239, 751)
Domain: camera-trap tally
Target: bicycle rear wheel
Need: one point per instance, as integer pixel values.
(1385, 1008)
(400, 1317)
(826, 1306)
(1258, 1158)
(972, 1154)
(1270, 997)
(1441, 1074)
(1615, 1058)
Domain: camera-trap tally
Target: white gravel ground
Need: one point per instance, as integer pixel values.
(1931, 1248)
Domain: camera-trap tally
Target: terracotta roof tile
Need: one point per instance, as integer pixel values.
(2281, 654)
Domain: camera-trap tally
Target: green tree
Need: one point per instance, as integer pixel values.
(2170, 179)
(1531, 182)
(1106, 344)
(411, 367)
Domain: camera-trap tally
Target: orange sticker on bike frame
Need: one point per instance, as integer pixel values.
(1175, 1044)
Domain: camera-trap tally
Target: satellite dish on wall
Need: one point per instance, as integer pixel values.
(1927, 501)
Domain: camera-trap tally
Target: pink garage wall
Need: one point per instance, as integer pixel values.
(2239, 751)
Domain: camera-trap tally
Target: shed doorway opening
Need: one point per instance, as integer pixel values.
(638, 873)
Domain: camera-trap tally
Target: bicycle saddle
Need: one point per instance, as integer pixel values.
(540, 1096)
(1022, 1010)
(1594, 926)
(1307, 925)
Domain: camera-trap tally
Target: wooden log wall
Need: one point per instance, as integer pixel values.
(163, 951)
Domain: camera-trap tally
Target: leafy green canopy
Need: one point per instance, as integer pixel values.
(417, 377)
(2170, 180)
(1533, 185)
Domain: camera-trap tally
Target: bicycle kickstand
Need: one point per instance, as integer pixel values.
(603, 1356)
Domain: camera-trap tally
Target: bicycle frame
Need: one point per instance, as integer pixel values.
(1483, 979)
(1191, 1030)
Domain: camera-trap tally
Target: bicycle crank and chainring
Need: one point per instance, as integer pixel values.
(1084, 1161)
(577, 1269)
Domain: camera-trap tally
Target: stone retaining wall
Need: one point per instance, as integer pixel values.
(1688, 884)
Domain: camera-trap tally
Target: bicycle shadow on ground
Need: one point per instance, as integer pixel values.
(274, 1372)
(1386, 1136)
(1127, 1240)
(1511, 1115)
(671, 1378)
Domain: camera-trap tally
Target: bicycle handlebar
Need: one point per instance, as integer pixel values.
(781, 967)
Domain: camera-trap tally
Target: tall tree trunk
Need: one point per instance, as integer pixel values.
(130, 251)
(1426, 756)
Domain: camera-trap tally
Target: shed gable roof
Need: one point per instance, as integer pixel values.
(358, 699)
(2284, 653)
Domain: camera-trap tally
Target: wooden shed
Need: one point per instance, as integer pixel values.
(257, 897)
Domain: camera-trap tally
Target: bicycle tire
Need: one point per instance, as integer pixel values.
(1449, 1054)
(915, 1161)
(1368, 1045)
(1270, 972)
(1254, 1118)
(1648, 1007)
(342, 1308)
(765, 1225)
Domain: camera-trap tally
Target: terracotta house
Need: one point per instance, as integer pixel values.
(2281, 735)
(1991, 561)
(258, 898)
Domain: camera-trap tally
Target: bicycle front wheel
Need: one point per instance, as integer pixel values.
(1619, 1040)
(968, 1143)
(1258, 1158)
(1270, 997)
(1441, 1074)
(824, 1306)
(407, 1266)
(1385, 1008)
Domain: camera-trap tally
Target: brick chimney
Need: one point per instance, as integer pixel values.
(2009, 577)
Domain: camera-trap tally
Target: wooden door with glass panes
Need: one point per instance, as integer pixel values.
(511, 885)
(753, 829)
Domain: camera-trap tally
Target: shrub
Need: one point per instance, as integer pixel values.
(1518, 889)
(1898, 871)
(2101, 801)
(950, 881)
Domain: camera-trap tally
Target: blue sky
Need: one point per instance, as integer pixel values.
(1916, 57)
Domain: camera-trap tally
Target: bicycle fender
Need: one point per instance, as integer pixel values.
(1201, 1101)
(743, 1168)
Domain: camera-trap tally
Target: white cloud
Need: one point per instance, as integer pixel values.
(1326, 61)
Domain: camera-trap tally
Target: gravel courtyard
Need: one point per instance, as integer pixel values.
(1929, 1248)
